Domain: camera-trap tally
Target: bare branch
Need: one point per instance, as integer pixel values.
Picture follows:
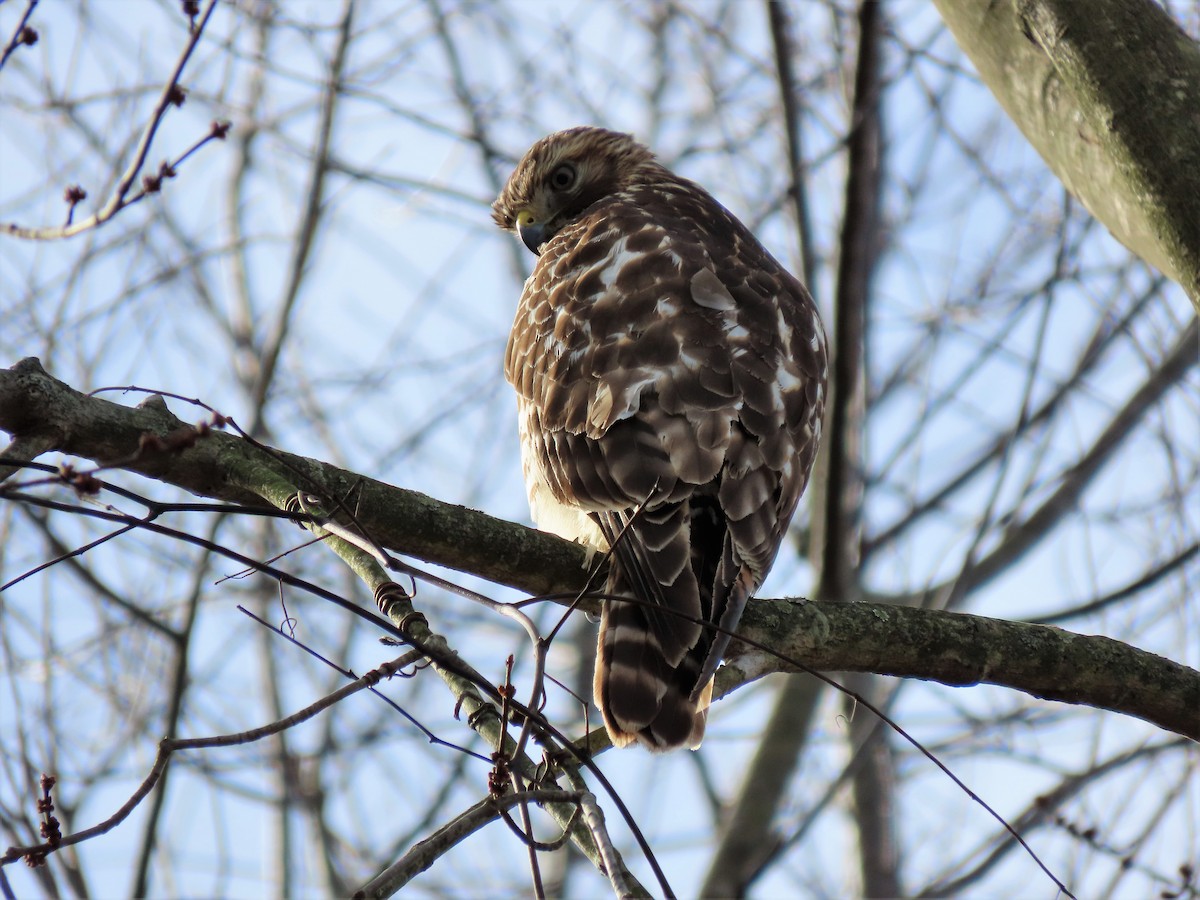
(171, 95)
(169, 746)
(789, 98)
(225, 467)
(314, 193)
(424, 854)
(23, 35)
(959, 650)
(1022, 537)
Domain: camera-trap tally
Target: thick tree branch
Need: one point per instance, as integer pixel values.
(951, 648)
(224, 467)
(959, 650)
(1107, 93)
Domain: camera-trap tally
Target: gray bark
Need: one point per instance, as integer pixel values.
(1108, 92)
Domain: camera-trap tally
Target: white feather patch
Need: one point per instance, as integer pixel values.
(709, 292)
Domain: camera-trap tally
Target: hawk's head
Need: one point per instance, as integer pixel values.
(561, 176)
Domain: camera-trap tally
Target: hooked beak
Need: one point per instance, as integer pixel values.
(532, 233)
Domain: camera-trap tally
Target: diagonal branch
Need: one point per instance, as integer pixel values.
(23, 36)
(1106, 91)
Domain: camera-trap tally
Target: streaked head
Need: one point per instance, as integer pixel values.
(561, 176)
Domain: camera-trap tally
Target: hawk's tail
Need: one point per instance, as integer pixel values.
(657, 655)
(641, 696)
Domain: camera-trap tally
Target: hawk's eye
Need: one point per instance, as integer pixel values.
(563, 177)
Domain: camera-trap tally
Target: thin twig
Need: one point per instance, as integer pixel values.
(781, 41)
(170, 96)
(169, 746)
(22, 34)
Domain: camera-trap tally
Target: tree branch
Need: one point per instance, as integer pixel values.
(1107, 93)
(960, 650)
(23, 35)
(224, 467)
(951, 648)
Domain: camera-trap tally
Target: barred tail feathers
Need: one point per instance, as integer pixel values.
(641, 695)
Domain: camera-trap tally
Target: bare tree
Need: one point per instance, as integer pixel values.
(260, 242)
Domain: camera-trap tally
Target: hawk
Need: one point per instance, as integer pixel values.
(670, 379)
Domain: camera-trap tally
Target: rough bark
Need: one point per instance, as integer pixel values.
(958, 649)
(1108, 92)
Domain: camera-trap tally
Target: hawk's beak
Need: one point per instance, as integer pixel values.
(532, 233)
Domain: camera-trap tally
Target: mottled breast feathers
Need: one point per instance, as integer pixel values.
(670, 380)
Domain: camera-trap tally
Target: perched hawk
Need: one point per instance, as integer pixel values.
(670, 379)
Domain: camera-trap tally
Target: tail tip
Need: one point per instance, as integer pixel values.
(679, 722)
